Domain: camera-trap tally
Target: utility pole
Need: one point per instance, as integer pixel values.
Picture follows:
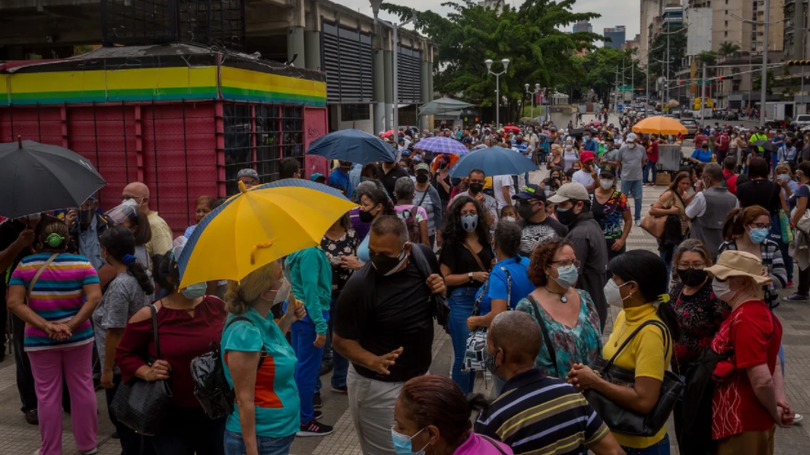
(647, 90)
(764, 84)
(666, 86)
(703, 98)
(616, 93)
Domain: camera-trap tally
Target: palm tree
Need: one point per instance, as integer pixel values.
(728, 48)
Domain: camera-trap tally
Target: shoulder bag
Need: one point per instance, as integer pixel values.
(546, 337)
(441, 311)
(477, 339)
(655, 225)
(36, 277)
(622, 420)
(804, 222)
(141, 405)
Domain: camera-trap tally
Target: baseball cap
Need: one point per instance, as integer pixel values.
(467, 140)
(531, 191)
(632, 137)
(422, 167)
(314, 177)
(608, 170)
(247, 172)
(570, 192)
(586, 156)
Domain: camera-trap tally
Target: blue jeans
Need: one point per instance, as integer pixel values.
(461, 303)
(633, 188)
(302, 334)
(650, 167)
(340, 364)
(660, 448)
(234, 445)
(667, 257)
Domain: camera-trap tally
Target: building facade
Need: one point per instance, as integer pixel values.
(583, 26)
(616, 35)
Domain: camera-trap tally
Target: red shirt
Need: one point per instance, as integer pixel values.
(723, 142)
(755, 335)
(731, 180)
(182, 337)
(699, 139)
(652, 152)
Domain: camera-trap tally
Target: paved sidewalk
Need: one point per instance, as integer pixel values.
(19, 438)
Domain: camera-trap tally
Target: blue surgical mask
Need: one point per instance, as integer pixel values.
(568, 276)
(195, 290)
(758, 235)
(469, 222)
(402, 443)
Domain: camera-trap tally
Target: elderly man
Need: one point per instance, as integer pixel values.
(631, 159)
(249, 177)
(384, 326)
(161, 233)
(531, 404)
(709, 208)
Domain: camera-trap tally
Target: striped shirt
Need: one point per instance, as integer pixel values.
(58, 296)
(539, 415)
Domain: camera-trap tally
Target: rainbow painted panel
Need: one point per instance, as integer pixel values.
(245, 85)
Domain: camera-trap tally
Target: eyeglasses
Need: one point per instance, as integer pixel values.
(761, 225)
(694, 265)
(568, 262)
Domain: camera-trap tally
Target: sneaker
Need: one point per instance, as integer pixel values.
(344, 390)
(796, 298)
(317, 415)
(638, 223)
(790, 283)
(92, 451)
(314, 428)
(32, 417)
(797, 418)
(316, 401)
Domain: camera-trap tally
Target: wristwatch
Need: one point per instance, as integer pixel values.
(470, 276)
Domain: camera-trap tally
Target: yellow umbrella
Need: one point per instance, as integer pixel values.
(258, 226)
(659, 125)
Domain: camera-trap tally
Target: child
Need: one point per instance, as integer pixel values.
(509, 213)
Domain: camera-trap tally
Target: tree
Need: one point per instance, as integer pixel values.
(530, 36)
(658, 53)
(600, 67)
(728, 48)
(771, 82)
(708, 58)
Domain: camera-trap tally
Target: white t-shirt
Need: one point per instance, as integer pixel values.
(582, 177)
(498, 182)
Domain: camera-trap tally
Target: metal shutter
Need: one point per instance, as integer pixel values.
(347, 64)
(409, 75)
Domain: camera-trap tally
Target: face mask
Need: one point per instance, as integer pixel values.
(692, 277)
(469, 222)
(283, 292)
(566, 216)
(476, 188)
(586, 138)
(758, 235)
(613, 295)
(196, 290)
(421, 178)
(555, 177)
(722, 290)
(567, 276)
(606, 184)
(85, 216)
(442, 165)
(402, 443)
(489, 363)
(569, 147)
(784, 177)
(526, 211)
(366, 217)
(509, 218)
(386, 265)
(705, 148)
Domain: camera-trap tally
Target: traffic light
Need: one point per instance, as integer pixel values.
(720, 79)
(680, 81)
(797, 63)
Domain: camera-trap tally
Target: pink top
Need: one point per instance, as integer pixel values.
(481, 445)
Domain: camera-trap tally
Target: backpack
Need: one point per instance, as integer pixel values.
(414, 231)
(696, 436)
(211, 388)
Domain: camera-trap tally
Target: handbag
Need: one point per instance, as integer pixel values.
(441, 311)
(621, 419)
(784, 225)
(804, 222)
(36, 277)
(141, 405)
(477, 339)
(654, 225)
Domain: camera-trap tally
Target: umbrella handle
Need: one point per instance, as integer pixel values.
(258, 246)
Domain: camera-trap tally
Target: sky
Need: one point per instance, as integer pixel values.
(614, 12)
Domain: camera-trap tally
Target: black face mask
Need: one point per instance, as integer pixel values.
(692, 277)
(442, 165)
(421, 178)
(476, 188)
(366, 217)
(85, 216)
(567, 217)
(385, 265)
(526, 211)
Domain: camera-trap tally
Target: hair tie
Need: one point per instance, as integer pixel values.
(128, 259)
(662, 298)
(54, 240)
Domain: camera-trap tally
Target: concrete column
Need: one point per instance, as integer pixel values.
(425, 86)
(295, 46)
(378, 73)
(388, 81)
(312, 45)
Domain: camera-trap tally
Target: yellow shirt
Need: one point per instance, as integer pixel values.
(161, 241)
(645, 355)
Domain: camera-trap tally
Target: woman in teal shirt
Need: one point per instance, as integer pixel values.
(260, 365)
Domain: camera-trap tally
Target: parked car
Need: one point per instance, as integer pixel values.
(802, 121)
(691, 127)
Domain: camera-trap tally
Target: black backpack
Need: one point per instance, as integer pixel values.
(211, 388)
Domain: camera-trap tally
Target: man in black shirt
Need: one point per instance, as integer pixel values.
(389, 174)
(384, 326)
(536, 224)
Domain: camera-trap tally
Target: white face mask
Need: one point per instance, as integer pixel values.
(722, 290)
(283, 292)
(606, 184)
(509, 218)
(614, 295)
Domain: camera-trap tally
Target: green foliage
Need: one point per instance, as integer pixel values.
(728, 48)
(771, 82)
(529, 36)
(658, 53)
(708, 58)
(600, 67)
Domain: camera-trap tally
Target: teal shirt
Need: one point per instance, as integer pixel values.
(276, 396)
(311, 277)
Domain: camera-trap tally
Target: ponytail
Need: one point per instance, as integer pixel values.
(119, 242)
(667, 314)
(144, 280)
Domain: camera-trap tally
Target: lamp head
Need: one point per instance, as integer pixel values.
(527, 87)
(505, 63)
(488, 62)
(537, 86)
(375, 6)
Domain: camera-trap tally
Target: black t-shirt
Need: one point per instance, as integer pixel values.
(443, 195)
(536, 233)
(389, 180)
(760, 192)
(461, 262)
(383, 313)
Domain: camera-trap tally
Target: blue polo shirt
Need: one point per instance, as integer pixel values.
(518, 268)
(704, 156)
(341, 179)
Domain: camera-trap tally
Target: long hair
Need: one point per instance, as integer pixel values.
(738, 219)
(143, 230)
(453, 233)
(242, 294)
(164, 268)
(119, 242)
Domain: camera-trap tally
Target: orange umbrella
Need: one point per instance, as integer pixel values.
(659, 125)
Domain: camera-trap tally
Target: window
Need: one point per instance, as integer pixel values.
(726, 12)
(725, 34)
(352, 112)
(238, 151)
(726, 24)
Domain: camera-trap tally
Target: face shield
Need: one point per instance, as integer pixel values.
(123, 211)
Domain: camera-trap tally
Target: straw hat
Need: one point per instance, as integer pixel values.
(738, 263)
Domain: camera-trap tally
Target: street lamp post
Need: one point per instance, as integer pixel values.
(505, 63)
(533, 94)
(375, 6)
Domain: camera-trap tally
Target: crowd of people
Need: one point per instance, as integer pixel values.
(520, 273)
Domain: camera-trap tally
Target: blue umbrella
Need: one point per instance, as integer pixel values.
(352, 145)
(441, 145)
(493, 161)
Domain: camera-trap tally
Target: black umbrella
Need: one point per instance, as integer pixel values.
(576, 132)
(767, 145)
(38, 178)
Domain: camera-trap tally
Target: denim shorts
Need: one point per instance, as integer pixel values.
(234, 445)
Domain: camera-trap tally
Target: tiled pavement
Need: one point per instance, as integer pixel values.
(19, 438)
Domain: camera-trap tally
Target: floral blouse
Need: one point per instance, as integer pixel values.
(580, 344)
(334, 249)
(610, 215)
(699, 317)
